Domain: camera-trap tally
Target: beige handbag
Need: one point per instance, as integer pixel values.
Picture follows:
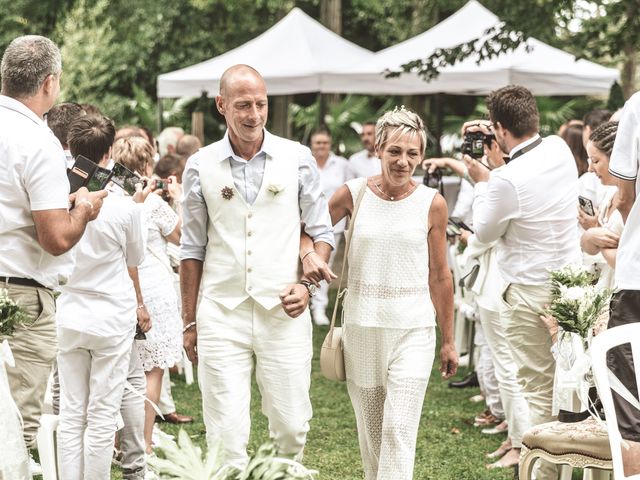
(331, 353)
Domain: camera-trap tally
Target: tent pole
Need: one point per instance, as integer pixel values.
(160, 115)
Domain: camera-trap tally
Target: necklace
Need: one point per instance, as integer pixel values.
(411, 189)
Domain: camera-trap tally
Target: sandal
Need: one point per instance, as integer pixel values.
(502, 450)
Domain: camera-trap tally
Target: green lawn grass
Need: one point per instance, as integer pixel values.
(449, 446)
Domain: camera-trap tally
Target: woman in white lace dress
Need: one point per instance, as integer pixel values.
(399, 283)
(163, 345)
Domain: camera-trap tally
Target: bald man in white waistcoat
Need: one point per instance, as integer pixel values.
(245, 199)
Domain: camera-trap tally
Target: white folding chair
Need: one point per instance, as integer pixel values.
(606, 380)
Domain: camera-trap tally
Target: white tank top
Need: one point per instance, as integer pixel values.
(388, 281)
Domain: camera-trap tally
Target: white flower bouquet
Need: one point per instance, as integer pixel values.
(11, 314)
(576, 303)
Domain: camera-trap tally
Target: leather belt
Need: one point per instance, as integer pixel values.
(25, 282)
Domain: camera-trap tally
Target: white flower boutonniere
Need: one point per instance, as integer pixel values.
(275, 189)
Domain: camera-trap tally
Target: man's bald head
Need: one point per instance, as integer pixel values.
(239, 74)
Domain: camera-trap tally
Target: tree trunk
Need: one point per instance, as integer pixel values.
(331, 17)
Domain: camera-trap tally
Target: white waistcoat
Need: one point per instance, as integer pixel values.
(252, 250)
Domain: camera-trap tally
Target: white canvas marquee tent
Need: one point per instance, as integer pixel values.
(545, 70)
(292, 56)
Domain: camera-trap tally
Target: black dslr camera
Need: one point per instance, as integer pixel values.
(474, 142)
(433, 179)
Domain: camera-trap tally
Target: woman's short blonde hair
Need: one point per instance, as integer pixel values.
(400, 121)
(135, 153)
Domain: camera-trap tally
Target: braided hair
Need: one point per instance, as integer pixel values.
(604, 136)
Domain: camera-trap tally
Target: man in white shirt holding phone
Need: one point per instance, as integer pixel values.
(529, 206)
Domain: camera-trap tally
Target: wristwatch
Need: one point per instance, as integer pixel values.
(311, 288)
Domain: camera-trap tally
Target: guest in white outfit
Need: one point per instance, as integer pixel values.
(365, 163)
(96, 319)
(245, 197)
(334, 172)
(163, 345)
(398, 283)
(37, 224)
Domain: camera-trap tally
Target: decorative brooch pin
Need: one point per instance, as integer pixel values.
(227, 193)
(275, 189)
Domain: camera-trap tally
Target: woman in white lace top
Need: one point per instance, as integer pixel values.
(399, 283)
(163, 345)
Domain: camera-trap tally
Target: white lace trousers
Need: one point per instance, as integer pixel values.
(228, 340)
(387, 375)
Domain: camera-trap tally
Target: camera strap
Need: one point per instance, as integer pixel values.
(524, 150)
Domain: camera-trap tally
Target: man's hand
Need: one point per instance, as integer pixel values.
(448, 361)
(294, 299)
(315, 269)
(85, 197)
(430, 164)
(190, 344)
(483, 126)
(477, 171)
(587, 221)
(144, 319)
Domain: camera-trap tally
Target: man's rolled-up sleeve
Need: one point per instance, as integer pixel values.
(626, 152)
(193, 242)
(314, 208)
(495, 204)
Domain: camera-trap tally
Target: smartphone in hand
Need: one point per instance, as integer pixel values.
(586, 205)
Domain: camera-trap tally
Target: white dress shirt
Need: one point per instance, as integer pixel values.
(530, 205)
(464, 203)
(99, 298)
(247, 178)
(624, 165)
(333, 175)
(34, 177)
(362, 164)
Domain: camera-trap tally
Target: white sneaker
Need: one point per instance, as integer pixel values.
(319, 317)
(34, 467)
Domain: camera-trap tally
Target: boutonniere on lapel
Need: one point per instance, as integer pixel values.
(227, 193)
(275, 189)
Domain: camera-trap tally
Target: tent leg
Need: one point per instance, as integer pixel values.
(160, 115)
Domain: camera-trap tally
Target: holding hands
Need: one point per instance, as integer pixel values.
(315, 269)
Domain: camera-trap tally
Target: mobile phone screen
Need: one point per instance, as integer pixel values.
(98, 180)
(586, 205)
(125, 178)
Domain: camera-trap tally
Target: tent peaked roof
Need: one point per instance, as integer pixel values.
(543, 69)
(292, 56)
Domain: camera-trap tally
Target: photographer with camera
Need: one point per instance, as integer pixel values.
(484, 155)
(529, 207)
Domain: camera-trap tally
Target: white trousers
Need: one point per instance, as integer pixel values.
(92, 372)
(516, 409)
(228, 340)
(485, 369)
(166, 403)
(387, 375)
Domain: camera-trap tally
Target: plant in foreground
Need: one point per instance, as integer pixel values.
(184, 460)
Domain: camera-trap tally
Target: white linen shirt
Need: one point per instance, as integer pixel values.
(99, 298)
(247, 178)
(624, 165)
(530, 205)
(333, 175)
(34, 178)
(362, 164)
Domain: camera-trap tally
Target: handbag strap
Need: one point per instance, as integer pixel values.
(348, 236)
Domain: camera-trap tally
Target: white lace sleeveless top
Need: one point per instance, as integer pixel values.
(389, 261)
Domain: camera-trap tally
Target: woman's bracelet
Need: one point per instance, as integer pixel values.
(306, 255)
(188, 326)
